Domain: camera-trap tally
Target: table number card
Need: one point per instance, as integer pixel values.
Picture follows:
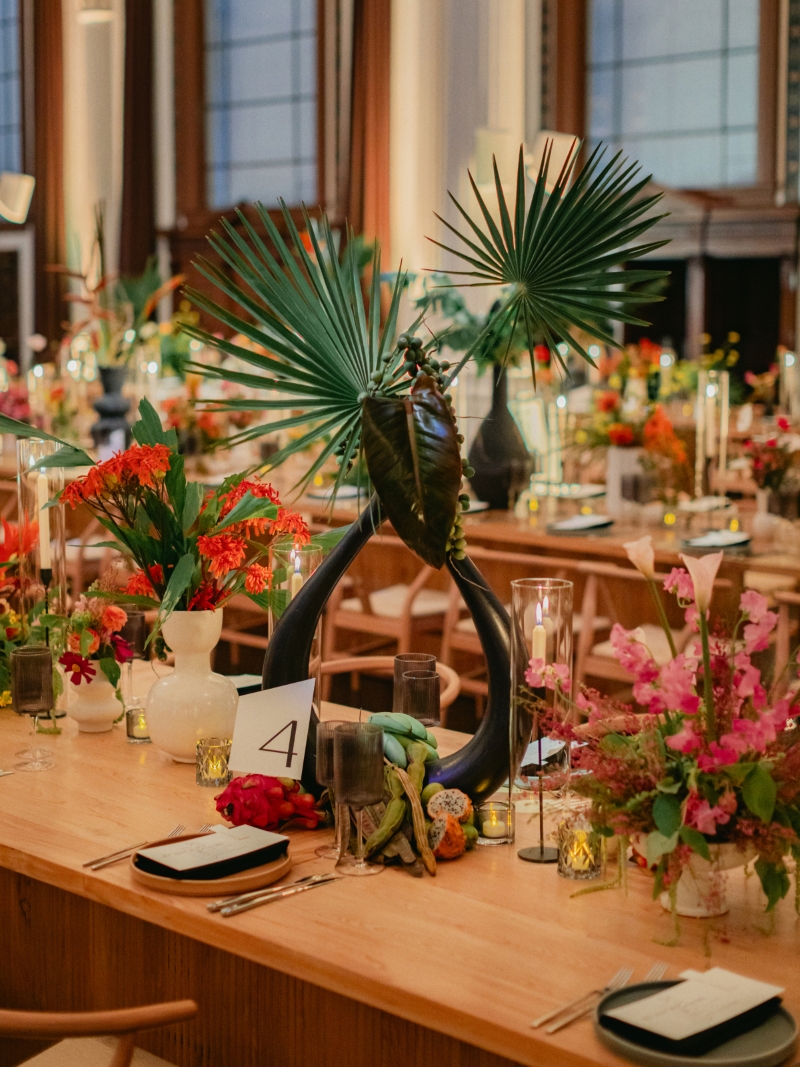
(271, 730)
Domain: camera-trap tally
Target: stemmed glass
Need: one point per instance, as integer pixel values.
(325, 777)
(358, 779)
(135, 633)
(32, 694)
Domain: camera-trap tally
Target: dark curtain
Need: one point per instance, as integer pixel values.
(137, 226)
(368, 199)
(47, 207)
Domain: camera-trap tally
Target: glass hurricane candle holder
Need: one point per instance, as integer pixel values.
(290, 566)
(541, 666)
(494, 822)
(136, 722)
(404, 662)
(580, 849)
(42, 557)
(213, 754)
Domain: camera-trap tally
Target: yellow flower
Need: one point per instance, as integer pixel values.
(5, 699)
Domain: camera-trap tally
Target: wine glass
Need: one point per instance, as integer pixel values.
(408, 661)
(32, 694)
(358, 779)
(325, 777)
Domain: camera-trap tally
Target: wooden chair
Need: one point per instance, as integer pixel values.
(89, 1050)
(450, 681)
(459, 634)
(783, 634)
(396, 613)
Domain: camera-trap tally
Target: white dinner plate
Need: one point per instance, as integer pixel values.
(578, 523)
(719, 539)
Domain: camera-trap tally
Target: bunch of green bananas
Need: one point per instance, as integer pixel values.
(400, 731)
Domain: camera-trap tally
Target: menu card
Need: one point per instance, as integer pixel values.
(696, 1014)
(213, 855)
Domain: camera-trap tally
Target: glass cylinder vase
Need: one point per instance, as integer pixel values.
(42, 540)
(291, 565)
(541, 671)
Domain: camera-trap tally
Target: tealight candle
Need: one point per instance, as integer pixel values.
(495, 823)
(296, 583)
(213, 754)
(136, 725)
(579, 850)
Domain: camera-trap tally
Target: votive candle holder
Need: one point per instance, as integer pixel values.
(136, 722)
(580, 849)
(494, 822)
(213, 754)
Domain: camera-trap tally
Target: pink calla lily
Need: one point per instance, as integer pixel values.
(642, 556)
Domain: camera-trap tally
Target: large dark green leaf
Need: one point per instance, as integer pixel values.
(413, 460)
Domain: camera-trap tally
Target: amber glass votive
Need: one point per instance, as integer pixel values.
(494, 822)
(136, 722)
(213, 754)
(580, 850)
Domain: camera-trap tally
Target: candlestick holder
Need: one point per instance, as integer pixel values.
(541, 665)
(291, 565)
(42, 555)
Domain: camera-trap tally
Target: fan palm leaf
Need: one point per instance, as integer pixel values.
(562, 254)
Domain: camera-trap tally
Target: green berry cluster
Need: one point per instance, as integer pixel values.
(457, 541)
(418, 361)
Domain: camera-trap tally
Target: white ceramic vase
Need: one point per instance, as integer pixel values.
(764, 522)
(701, 890)
(93, 705)
(619, 462)
(193, 702)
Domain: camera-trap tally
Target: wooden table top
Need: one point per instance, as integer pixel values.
(476, 952)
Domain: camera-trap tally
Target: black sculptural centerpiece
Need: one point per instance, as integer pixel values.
(111, 432)
(317, 335)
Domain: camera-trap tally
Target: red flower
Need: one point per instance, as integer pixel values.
(289, 522)
(784, 424)
(123, 651)
(620, 434)
(140, 464)
(77, 668)
(608, 402)
(541, 353)
(252, 800)
(205, 599)
(225, 551)
(257, 578)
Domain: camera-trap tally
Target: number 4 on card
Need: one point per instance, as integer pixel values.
(288, 752)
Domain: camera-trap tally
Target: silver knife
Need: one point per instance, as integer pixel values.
(266, 898)
(240, 898)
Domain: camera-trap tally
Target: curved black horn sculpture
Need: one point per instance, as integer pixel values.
(482, 765)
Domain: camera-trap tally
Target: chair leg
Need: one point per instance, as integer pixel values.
(123, 1054)
(235, 653)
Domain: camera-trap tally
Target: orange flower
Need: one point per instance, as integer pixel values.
(140, 463)
(607, 402)
(74, 642)
(262, 490)
(113, 618)
(621, 435)
(257, 578)
(225, 551)
(72, 493)
(289, 522)
(140, 585)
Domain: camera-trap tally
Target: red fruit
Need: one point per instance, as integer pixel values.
(289, 785)
(303, 800)
(285, 809)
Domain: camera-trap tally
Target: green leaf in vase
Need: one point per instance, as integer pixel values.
(695, 840)
(759, 791)
(774, 881)
(110, 668)
(413, 458)
(659, 845)
(667, 814)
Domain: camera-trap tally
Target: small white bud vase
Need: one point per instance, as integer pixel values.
(193, 702)
(93, 705)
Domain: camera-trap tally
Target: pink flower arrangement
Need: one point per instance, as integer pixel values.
(716, 756)
(91, 633)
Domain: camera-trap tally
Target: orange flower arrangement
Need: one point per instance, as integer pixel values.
(202, 549)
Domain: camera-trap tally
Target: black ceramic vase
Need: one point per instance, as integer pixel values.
(481, 766)
(498, 455)
(111, 433)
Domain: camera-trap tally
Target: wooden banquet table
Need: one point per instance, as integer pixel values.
(445, 971)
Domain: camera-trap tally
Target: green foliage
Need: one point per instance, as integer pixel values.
(695, 840)
(774, 881)
(415, 465)
(558, 254)
(759, 792)
(659, 845)
(667, 814)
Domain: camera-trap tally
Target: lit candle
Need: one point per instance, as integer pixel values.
(42, 496)
(216, 767)
(539, 637)
(550, 630)
(711, 421)
(494, 827)
(297, 578)
(580, 854)
(700, 447)
(724, 427)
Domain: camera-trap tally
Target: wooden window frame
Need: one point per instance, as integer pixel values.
(567, 40)
(193, 215)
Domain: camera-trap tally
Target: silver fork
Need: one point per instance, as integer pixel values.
(656, 972)
(623, 973)
(621, 979)
(98, 865)
(205, 828)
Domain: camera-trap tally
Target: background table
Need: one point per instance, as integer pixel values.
(444, 971)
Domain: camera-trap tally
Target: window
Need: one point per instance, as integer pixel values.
(10, 116)
(261, 101)
(675, 84)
